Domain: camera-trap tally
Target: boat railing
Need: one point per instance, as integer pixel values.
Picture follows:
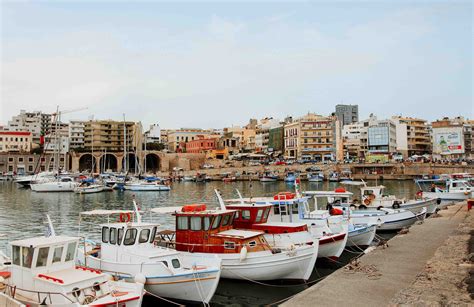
(11, 291)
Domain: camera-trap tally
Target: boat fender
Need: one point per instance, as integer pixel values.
(396, 205)
(363, 207)
(438, 201)
(353, 207)
(466, 193)
(140, 278)
(367, 201)
(243, 253)
(379, 208)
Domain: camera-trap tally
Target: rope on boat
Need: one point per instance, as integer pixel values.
(164, 299)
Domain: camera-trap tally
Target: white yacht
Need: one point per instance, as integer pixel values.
(61, 184)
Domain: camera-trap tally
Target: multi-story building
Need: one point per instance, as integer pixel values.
(353, 140)
(276, 140)
(468, 130)
(57, 140)
(76, 134)
(15, 141)
(109, 135)
(263, 133)
(413, 136)
(451, 138)
(201, 145)
(177, 139)
(347, 113)
(314, 137)
(153, 135)
(36, 122)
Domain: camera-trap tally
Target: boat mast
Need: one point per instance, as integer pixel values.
(124, 145)
(145, 153)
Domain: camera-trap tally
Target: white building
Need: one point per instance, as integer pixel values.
(57, 139)
(76, 134)
(262, 133)
(36, 122)
(153, 135)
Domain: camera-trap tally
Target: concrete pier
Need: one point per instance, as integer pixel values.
(397, 266)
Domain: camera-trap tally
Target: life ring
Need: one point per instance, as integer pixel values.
(419, 193)
(367, 201)
(396, 205)
(362, 207)
(371, 197)
(125, 217)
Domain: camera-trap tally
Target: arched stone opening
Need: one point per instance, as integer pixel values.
(108, 162)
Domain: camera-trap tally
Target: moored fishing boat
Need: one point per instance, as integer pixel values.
(315, 176)
(448, 191)
(146, 185)
(290, 177)
(268, 176)
(43, 271)
(128, 248)
(245, 254)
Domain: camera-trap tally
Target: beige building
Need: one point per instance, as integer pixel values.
(15, 141)
(413, 136)
(314, 137)
(178, 138)
(109, 135)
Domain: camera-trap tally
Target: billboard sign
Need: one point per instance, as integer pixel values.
(448, 141)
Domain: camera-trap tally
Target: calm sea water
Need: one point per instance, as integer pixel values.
(22, 215)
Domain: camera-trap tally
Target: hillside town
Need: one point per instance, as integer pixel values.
(30, 139)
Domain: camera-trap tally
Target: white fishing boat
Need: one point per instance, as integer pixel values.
(330, 231)
(451, 190)
(245, 254)
(43, 272)
(361, 235)
(127, 249)
(334, 177)
(315, 176)
(384, 218)
(268, 176)
(374, 197)
(62, 184)
(189, 178)
(146, 186)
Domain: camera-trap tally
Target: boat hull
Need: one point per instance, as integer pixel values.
(54, 187)
(146, 188)
(295, 263)
(332, 246)
(361, 236)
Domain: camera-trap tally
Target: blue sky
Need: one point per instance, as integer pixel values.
(204, 64)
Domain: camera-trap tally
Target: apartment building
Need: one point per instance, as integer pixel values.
(177, 139)
(413, 136)
(347, 113)
(38, 123)
(109, 135)
(76, 134)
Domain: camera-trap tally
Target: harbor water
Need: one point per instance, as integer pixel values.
(23, 212)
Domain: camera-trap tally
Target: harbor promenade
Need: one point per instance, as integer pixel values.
(385, 273)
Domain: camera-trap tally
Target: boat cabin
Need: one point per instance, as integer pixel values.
(212, 231)
(372, 192)
(255, 216)
(119, 236)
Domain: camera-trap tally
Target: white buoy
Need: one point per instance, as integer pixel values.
(243, 253)
(140, 278)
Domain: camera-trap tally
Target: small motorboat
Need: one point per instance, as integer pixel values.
(61, 184)
(268, 177)
(315, 176)
(290, 177)
(334, 177)
(146, 186)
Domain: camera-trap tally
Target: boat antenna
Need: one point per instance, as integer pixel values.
(219, 198)
(137, 213)
(50, 230)
(240, 196)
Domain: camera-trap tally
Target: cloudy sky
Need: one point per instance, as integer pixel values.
(213, 65)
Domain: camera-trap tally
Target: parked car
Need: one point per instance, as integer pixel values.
(207, 166)
(254, 163)
(280, 163)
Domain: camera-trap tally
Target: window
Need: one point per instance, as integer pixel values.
(113, 236)
(182, 223)
(105, 234)
(207, 222)
(10, 159)
(153, 235)
(175, 263)
(27, 255)
(119, 236)
(30, 168)
(225, 220)
(30, 159)
(276, 209)
(16, 255)
(252, 244)
(71, 251)
(130, 236)
(58, 253)
(267, 212)
(42, 257)
(20, 159)
(294, 208)
(216, 222)
(259, 215)
(246, 214)
(165, 263)
(195, 223)
(144, 235)
(229, 245)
